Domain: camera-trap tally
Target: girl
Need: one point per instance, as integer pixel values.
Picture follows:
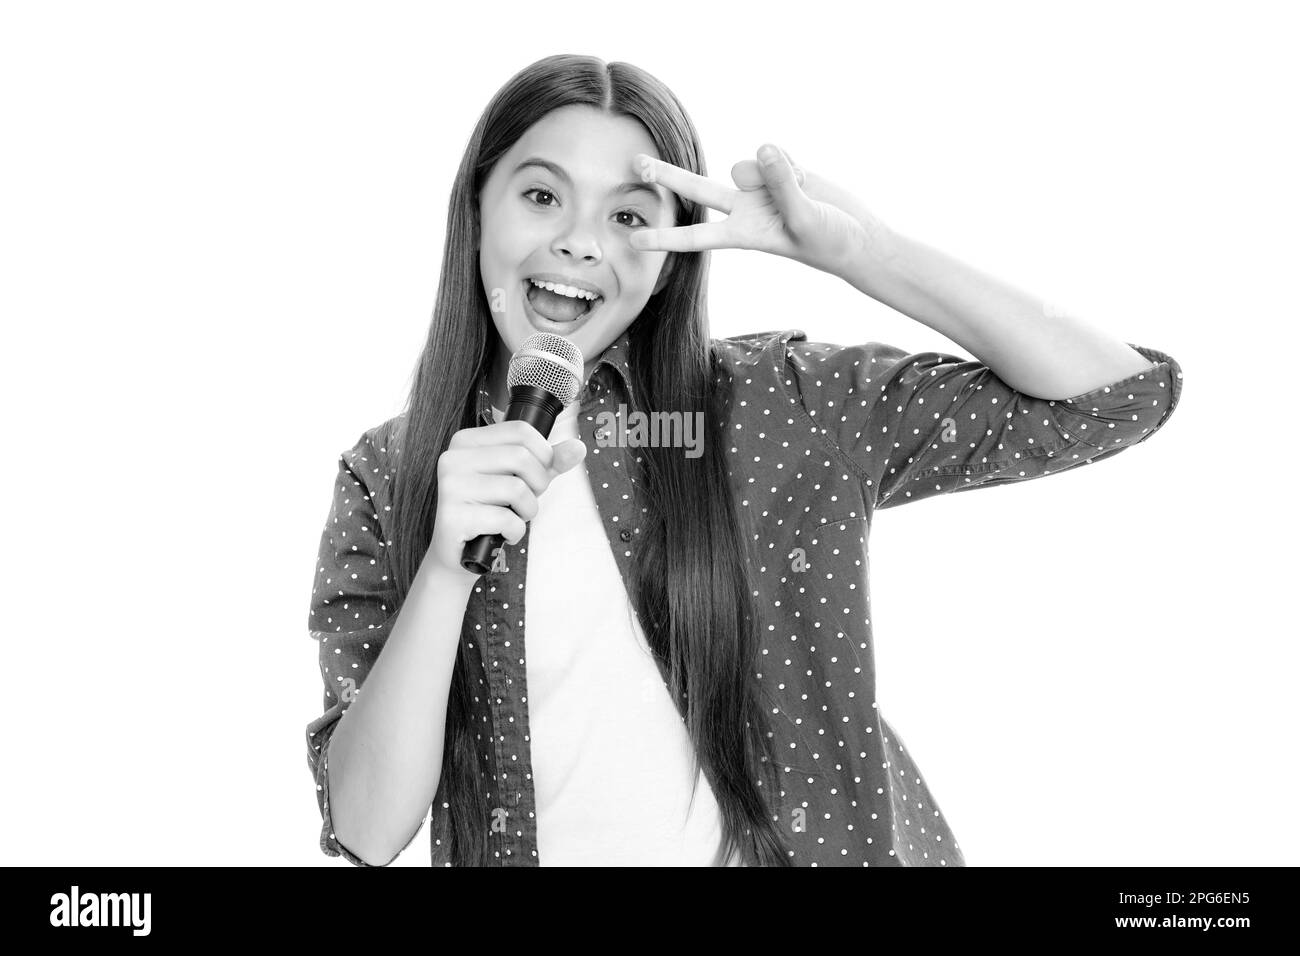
(670, 661)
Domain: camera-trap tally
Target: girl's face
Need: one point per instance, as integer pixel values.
(562, 204)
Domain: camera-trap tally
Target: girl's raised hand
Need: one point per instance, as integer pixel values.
(489, 480)
(776, 207)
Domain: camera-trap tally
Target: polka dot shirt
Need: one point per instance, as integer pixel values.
(818, 436)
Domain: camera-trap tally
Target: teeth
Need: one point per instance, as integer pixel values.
(570, 291)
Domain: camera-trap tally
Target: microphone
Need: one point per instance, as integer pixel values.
(544, 376)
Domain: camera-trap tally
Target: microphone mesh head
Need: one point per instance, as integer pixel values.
(549, 361)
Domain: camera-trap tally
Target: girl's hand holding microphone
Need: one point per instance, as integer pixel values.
(489, 480)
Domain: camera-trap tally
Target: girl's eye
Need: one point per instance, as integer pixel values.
(543, 192)
(546, 192)
(629, 212)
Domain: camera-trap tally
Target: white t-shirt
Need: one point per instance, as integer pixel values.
(611, 756)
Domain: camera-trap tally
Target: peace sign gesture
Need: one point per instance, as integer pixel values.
(777, 207)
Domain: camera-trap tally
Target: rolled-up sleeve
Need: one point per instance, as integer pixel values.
(353, 608)
(917, 425)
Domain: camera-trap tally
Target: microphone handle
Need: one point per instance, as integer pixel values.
(538, 407)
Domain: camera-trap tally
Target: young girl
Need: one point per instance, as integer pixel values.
(671, 659)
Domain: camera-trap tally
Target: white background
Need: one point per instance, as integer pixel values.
(220, 236)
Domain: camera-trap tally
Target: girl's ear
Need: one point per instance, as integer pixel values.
(665, 273)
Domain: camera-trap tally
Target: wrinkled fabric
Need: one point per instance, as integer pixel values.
(819, 437)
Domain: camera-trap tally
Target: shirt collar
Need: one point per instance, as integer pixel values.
(614, 357)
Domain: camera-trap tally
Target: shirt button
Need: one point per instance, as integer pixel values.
(625, 535)
(599, 434)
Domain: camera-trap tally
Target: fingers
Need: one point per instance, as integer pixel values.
(696, 238)
(684, 182)
(783, 184)
(505, 490)
(466, 455)
(776, 166)
(568, 454)
(505, 433)
(509, 499)
(494, 460)
(489, 519)
(747, 174)
(798, 172)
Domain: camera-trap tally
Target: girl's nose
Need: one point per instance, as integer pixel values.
(578, 245)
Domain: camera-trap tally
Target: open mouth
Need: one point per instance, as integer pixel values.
(555, 307)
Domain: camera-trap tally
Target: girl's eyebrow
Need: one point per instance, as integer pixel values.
(558, 171)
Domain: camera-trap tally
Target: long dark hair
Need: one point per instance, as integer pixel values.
(693, 590)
